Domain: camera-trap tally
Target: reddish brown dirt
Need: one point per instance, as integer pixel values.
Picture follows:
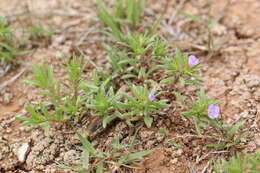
(232, 77)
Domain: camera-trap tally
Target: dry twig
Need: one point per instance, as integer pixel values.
(6, 83)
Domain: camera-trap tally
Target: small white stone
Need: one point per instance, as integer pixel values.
(22, 152)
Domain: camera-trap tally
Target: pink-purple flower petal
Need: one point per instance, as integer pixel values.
(151, 97)
(193, 60)
(213, 111)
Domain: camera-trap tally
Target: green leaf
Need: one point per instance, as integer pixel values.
(100, 167)
(132, 144)
(109, 20)
(217, 145)
(116, 143)
(109, 119)
(85, 159)
(234, 129)
(167, 80)
(88, 146)
(136, 156)
(148, 121)
(46, 127)
(194, 18)
(128, 76)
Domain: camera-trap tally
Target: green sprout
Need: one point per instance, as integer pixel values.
(240, 163)
(8, 49)
(38, 33)
(212, 45)
(141, 104)
(110, 160)
(124, 11)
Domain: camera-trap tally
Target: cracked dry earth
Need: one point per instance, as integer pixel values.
(232, 77)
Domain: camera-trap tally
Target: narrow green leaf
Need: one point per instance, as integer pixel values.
(87, 145)
(148, 121)
(100, 167)
(137, 156)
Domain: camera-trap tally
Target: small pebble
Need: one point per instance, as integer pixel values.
(22, 152)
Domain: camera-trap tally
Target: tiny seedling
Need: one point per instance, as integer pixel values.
(8, 48)
(38, 33)
(212, 45)
(232, 134)
(163, 132)
(5, 32)
(111, 160)
(41, 118)
(172, 143)
(44, 79)
(124, 11)
(240, 163)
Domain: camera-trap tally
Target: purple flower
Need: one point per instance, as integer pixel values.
(151, 97)
(193, 60)
(213, 111)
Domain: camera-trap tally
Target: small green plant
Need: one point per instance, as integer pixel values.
(38, 33)
(132, 61)
(138, 43)
(64, 107)
(111, 160)
(231, 133)
(74, 69)
(159, 47)
(5, 32)
(198, 111)
(8, 50)
(134, 52)
(241, 163)
(124, 11)
(41, 118)
(212, 45)
(102, 101)
(44, 79)
(123, 66)
(172, 143)
(129, 11)
(141, 105)
(183, 69)
(205, 112)
(106, 105)
(163, 132)
(100, 98)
